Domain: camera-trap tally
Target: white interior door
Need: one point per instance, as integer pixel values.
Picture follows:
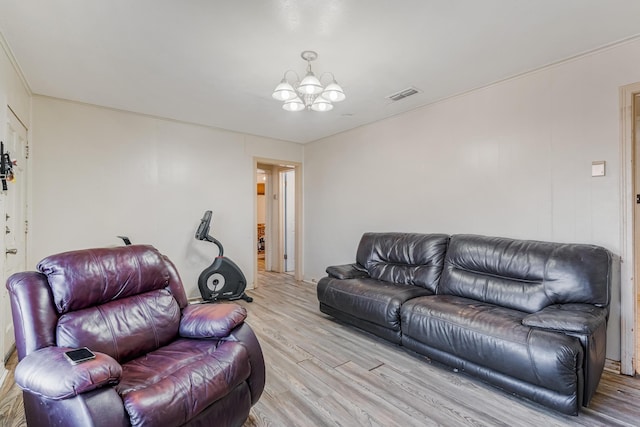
(289, 220)
(14, 212)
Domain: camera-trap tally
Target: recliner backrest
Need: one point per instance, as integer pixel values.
(408, 258)
(525, 275)
(123, 301)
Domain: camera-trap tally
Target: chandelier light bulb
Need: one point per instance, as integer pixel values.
(294, 104)
(333, 92)
(284, 91)
(321, 104)
(308, 93)
(310, 85)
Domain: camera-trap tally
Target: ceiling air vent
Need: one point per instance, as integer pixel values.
(403, 94)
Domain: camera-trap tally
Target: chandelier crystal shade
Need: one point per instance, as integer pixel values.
(308, 93)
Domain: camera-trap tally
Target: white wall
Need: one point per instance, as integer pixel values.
(99, 173)
(513, 159)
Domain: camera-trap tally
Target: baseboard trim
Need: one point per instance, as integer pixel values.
(9, 353)
(3, 375)
(612, 366)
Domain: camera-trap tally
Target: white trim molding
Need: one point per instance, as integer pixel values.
(16, 67)
(628, 284)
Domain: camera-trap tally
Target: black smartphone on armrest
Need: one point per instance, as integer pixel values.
(79, 355)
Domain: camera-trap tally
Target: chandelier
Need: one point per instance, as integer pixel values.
(308, 93)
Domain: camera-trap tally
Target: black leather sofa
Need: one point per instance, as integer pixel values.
(529, 317)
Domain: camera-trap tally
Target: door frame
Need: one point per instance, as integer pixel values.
(4, 114)
(274, 224)
(628, 245)
(9, 115)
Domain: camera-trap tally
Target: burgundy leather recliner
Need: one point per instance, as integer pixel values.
(159, 361)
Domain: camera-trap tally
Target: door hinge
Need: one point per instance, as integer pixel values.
(26, 151)
(285, 256)
(26, 227)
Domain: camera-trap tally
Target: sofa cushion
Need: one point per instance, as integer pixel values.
(525, 275)
(405, 258)
(173, 384)
(123, 329)
(495, 338)
(372, 300)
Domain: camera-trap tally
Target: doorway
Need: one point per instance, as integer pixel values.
(278, 239)
(13, 210)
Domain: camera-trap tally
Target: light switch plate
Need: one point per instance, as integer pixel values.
(598, 168)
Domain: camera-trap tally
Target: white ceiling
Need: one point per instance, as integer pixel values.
(217, 62)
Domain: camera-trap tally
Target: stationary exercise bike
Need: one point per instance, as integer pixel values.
(223, 279)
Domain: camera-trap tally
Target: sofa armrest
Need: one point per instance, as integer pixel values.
(210, 320)
(47, 372)
(347, 271)
(570, 318)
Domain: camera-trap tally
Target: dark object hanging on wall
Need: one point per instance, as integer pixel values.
(6, 167)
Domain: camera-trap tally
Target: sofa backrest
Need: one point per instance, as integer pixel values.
(123, 301)
(525, 275)
(408, 258)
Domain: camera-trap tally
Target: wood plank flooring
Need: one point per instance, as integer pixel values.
(321, 372)
(11, 407)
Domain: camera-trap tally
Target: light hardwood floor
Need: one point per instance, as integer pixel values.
(324, 373)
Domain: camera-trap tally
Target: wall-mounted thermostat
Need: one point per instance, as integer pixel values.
(598, 168)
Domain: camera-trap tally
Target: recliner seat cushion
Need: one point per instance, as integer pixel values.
(494, 337)
(372, 300)
(173, 384)
(123, 329)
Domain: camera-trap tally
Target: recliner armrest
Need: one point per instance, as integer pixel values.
(347, 271)
(572, 318)
(47, 372)
(210, 320)
(245, 335)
